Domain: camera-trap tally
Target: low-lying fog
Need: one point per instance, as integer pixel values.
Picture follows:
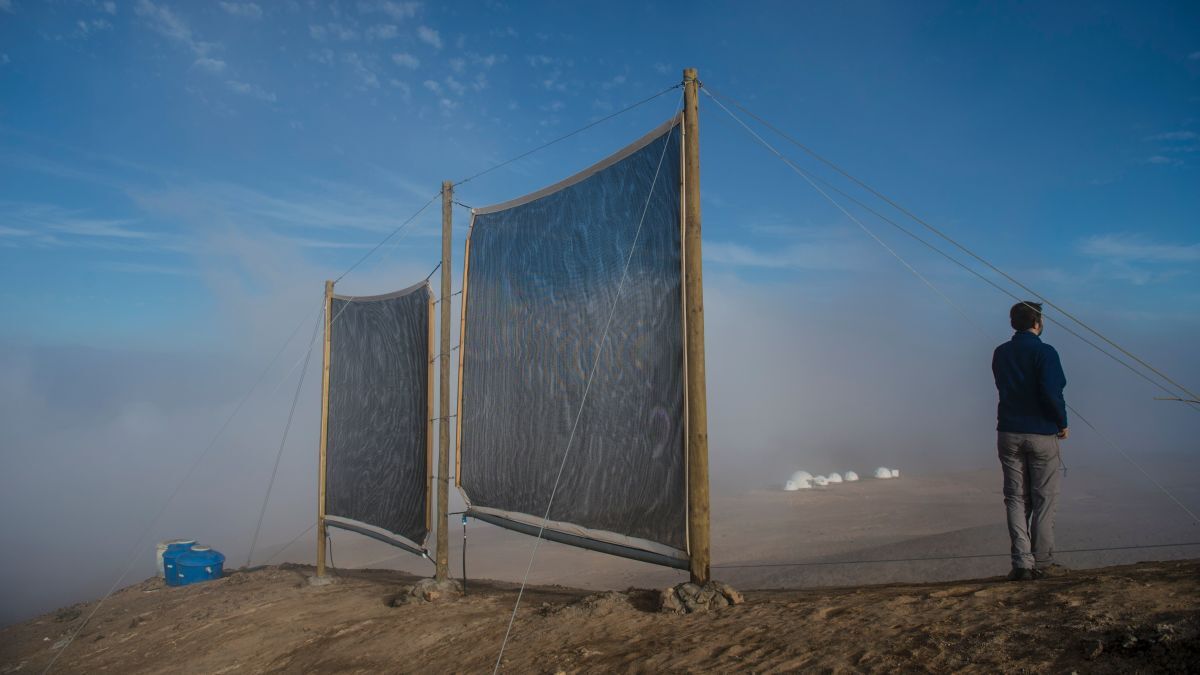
(815, 374)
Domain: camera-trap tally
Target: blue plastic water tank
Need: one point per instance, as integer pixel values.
(199, 564)
(170, 561)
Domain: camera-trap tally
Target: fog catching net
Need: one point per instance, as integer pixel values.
(378, 457)
(541, 280)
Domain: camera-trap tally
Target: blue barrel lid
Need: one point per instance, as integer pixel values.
(201, 556)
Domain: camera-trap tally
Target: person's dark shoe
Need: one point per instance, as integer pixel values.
(1020, 574)
(1050, 571)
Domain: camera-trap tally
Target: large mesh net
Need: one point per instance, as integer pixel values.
(542, 279)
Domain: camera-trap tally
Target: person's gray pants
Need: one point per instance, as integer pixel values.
(1031, 463)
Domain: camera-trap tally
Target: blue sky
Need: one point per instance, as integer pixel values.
(160, 157)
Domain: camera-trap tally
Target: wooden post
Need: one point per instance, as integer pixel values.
(693, 283)
(324, 432)
(443, 497)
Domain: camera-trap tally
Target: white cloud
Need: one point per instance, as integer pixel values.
(553, 82)
(433, 86)
(110, 7)
(429, 36)
(1134, 248)
(323, 56)
(383, 31)
(6, 6)
(662, 68)
(480, 83)
(14, 232)
(613, 83)
(4, 60)
(168, 24)
(403, 88)
(366, 77)
(54, 226)
(145, 268)
(1175, 136)
(248, 10)
(336, 31)
(85, 28)
(1194, 56)
(211, 65)
(397, 10)
(455, 86)
(1159, 159)
(486, 61)
(252, 90)
(406, 61)
(458, 64)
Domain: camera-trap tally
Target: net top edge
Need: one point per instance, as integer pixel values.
(674, 120)
(385, 296)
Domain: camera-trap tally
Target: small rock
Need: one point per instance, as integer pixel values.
(731, 594)
(1095, 650)
(669, 602)
(432, 590)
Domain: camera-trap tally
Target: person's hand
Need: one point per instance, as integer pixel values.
(1064, 433)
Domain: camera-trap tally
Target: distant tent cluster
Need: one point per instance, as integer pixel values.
(803, 480)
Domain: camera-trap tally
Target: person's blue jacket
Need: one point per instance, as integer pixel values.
(1030, 380)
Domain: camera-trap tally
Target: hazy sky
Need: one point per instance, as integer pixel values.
(177, 179)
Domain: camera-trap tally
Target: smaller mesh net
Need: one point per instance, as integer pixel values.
(378, 463)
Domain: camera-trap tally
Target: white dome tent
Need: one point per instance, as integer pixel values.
(883, 473)
(820, 481)
(895, 473)
(850, 477)
(800, 480)
(792, 485)
(835, 477)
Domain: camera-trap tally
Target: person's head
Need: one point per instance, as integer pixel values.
(1026, 316)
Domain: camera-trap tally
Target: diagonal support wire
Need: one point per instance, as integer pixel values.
(583, 400)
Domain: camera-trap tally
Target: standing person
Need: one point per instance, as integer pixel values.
(1031, 420)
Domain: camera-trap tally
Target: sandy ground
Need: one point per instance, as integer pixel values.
(854, 614)
(1143, 617)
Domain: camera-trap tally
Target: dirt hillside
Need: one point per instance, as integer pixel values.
(1137, 617)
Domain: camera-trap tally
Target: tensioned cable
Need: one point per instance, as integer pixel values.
(566, 136)
(716, 96)
(947, 256)
(282, 442)
(1195, 520)
(287, 545)
(586, 389)
(1049, 317)
(385, 240)
(852, 217)
(816, 563)
(435, 268)
(174, 493)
